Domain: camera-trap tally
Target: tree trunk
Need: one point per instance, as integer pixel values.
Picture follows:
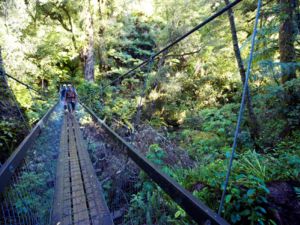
(10, 118)
(289, 12)
(253, 123)
(297, 14)
(286, 40)
(101, 30)
(89, 54)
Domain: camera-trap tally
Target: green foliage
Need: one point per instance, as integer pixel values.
(89, 94)
(152, 206)
(7, 136)
(246, 195)
(123, 109)
(254, 164)
(146, 206)
(247, 205)
(36, 185)
(287, 159)
(220, 121)
(156, 154)
(193, 90)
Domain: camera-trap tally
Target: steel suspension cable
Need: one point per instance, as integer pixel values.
(16, 102)
(42, 95)
(202, 24)
(242, 107)
(21, 82)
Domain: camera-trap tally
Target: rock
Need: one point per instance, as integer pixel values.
(283, 200)
(281, 192)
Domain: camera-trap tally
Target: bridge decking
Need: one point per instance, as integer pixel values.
(78, 196)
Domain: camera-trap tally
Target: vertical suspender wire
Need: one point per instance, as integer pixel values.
(242, 107)
(21, 195)
(3, 213)
(13, 212)
(7, 207)
(21, 219)
(34, 207)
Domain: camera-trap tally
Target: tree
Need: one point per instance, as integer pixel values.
(11, 122)
(253, 123)
(89, 49)
(60, 12)
(65, 13)
(287, 39)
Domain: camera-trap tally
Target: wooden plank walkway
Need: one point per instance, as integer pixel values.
(78, 196)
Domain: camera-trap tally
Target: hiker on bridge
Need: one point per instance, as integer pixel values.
(63, 92)
(71, 98)
(63, 96)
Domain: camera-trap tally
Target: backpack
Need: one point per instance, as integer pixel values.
(70, 94)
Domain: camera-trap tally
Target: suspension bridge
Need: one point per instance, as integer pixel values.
(62, 183)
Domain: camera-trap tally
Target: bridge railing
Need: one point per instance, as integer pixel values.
(199, 212)
(27, 177)
(13, 162)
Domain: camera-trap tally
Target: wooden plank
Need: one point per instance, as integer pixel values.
(61, 206)
(79, 199)
(67, 195)
(80, 209)
(98, 208)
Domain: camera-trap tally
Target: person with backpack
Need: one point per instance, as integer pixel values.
(63, 92)
(63, 96)
(71, 98)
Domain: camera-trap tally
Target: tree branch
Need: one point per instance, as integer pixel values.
(71, 26)
(55, 16)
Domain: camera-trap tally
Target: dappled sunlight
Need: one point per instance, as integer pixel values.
(167, 78)
(154, 95)
(181, 117)
(84, 120)
(144, 6)
(174, 85)
(140, 101)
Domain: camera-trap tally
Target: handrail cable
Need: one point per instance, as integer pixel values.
(201, 213)
(154, 56)
(8, 168)
(26, 85)
(242, 107)
(16, 103)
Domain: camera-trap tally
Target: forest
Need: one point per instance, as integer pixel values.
(181, 108)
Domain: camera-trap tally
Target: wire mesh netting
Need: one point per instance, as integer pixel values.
(28, 197)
